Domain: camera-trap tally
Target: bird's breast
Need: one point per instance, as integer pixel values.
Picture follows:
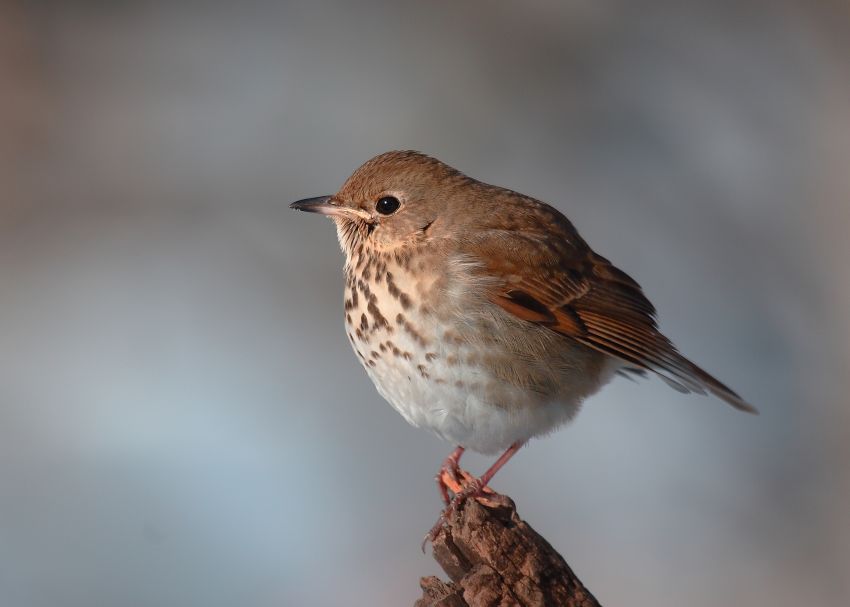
(393, 327)
(448, 360)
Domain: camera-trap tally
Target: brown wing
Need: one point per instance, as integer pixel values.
(562, 284)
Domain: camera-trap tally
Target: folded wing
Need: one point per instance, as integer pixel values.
(562, 284)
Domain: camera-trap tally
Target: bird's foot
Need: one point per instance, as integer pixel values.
(464, 486)
(447, 477)
(472, 488)
(467, 486)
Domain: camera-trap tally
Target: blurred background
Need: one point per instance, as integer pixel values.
(181, 419)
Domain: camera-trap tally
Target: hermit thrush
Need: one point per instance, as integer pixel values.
(480, 313)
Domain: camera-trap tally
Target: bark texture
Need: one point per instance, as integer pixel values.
(495, 559)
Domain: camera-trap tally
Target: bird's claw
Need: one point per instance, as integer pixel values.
(447, 477)
(473, 487)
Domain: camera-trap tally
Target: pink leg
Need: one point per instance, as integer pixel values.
(472, 489)
(449, 466)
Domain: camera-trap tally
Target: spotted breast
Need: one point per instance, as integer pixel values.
(448, 360)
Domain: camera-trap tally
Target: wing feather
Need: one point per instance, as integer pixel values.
(563, 285)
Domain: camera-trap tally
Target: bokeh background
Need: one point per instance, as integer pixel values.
(181, 419)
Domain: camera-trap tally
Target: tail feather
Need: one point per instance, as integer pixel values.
(719, 389)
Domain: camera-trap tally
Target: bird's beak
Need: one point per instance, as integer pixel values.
(324, 205)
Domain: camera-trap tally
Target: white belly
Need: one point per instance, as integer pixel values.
(463, 414)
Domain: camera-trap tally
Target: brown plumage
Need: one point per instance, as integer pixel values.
(560, 283)
(503, 318)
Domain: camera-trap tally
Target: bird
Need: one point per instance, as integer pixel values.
(481, 314)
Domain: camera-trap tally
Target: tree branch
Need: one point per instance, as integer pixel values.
(495, 559)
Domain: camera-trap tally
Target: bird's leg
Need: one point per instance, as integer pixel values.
(476, 486)
(449, 467)
(473, 488)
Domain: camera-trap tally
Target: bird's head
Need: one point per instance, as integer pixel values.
(394, 200)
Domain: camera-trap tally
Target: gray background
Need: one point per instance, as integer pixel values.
(181, 419)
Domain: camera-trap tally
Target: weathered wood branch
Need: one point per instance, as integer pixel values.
(495, 559)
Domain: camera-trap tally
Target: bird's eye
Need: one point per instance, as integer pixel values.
(387, 205)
